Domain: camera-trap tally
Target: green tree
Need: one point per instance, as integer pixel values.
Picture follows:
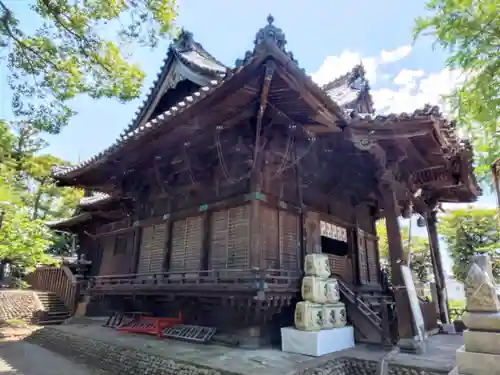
(469, 232)
(470, 31)
(30, 197)
(420, 262)
(79, 47)
(23, 241)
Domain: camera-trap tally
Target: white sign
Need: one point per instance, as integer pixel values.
(414, 302)
(333, 231)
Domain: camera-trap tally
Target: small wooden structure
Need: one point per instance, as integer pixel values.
(210, 199)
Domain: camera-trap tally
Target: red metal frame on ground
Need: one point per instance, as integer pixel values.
(156, 325)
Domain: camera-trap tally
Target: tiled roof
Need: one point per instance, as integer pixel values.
(141, 130)
(69, 221)
(347, 89)
(94, 198)
(342, 91)
(189, 52)
(428, 112)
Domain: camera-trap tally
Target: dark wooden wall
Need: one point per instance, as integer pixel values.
(195, 213)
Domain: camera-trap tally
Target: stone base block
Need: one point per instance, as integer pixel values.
(482, 342)
(316, 343)
(482, 321)
(471, 363)
(411, 345)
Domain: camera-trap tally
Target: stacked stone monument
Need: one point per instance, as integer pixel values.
(480, 354)
(321, 308)
(320, 319)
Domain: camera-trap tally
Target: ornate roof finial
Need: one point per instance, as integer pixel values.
(271, 33)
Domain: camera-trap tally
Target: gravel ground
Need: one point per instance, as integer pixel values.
(21, 358)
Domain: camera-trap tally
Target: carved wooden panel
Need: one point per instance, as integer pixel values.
(371, 253)
(269, 237)
(106, 245)
(187, 244)
(230, 238)
(289, 240)
(152, 249)
(362, 258)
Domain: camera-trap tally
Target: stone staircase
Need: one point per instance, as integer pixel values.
(54, 311)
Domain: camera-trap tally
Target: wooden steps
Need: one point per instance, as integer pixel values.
(364, 310)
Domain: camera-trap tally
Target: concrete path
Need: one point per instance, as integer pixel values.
(21, 358)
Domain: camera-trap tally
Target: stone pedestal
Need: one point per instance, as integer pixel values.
(482, 342)
(481, 353)
(482, 321)
(316, 343)
(472, 363)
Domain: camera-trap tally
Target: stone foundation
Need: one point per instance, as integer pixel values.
(113, 358)
(18, 304)
(126, 360)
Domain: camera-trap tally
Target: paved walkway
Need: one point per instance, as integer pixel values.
(21, 358)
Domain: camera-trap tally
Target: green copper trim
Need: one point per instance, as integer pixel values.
(256, 196)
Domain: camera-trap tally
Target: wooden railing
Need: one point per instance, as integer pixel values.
(213, 280)
(57, 280)
(371, 315)
(382, 322)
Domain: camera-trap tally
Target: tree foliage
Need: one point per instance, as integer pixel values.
(29, 197)
(469, 232)
(470, 31)
(420, 262)
(23, 241)
(71, 52)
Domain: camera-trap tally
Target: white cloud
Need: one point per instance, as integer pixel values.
(407, 77)
(335, 66)
(415, 88)
(394, 55)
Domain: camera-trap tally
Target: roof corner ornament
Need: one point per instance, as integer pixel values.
(184, 41)
(357, 79)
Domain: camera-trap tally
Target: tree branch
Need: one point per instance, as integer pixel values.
(4, 20)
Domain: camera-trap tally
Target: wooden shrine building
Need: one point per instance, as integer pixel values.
(211, 197)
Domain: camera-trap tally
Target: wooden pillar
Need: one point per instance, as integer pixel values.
(396, 254)
(256, 177)
(437, 266)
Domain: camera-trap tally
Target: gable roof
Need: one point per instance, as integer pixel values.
(186, 59)
(187, 52)
(339, 99)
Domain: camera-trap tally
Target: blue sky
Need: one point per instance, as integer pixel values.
(326, 37)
